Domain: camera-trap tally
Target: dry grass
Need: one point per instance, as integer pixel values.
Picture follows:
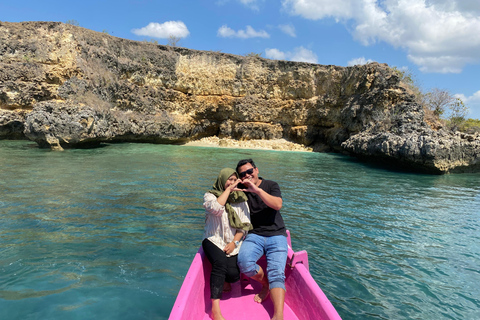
(432, 119)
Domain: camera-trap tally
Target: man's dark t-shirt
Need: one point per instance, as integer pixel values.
(265, 220)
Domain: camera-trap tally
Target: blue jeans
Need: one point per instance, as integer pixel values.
(275, 249)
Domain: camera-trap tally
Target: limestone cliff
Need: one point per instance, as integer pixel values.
(66, 86)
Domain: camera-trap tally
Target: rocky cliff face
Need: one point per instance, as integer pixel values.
(66, 86)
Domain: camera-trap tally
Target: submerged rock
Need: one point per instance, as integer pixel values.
(81, 88)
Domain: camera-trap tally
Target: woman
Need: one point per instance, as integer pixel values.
(227, 219)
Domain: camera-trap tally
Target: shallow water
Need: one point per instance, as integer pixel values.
(109, 233)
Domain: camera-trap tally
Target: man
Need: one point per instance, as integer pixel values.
(268, 236)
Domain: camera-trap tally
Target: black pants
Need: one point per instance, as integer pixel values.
(223, 268)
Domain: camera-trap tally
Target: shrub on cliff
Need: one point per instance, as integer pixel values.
(470, 126)
(73, 22)
(441, 107)
(253, 54)
(456, 114)
(409, 79)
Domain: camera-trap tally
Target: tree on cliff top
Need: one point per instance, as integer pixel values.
(439, 104)
(457, 114)
(73, 22)
(173, 40)
(439, 100)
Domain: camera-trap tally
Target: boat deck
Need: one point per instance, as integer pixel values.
(238, 304)
(303, 300)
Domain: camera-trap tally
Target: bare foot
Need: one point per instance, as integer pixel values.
(216, 313)
(217, 316)
(262, 295)
(227, 287)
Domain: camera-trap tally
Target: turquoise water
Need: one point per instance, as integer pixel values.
(109, 233)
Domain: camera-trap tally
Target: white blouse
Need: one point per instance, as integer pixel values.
(217, 226)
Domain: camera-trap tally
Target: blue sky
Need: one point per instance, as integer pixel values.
(438, 41)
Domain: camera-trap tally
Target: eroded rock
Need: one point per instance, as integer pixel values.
(85, 87)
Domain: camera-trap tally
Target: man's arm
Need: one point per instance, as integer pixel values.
(271, 201)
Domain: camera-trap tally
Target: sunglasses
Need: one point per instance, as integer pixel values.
(244, 173)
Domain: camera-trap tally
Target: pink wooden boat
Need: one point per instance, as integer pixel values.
(304, 299)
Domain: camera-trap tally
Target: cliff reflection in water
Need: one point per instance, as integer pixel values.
(110, 232)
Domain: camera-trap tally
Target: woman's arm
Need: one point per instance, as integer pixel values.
(212, 206)
(231, 246)
(224, 196)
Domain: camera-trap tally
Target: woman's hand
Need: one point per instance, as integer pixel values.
(229, 248)
(233, 186)
(230, 186)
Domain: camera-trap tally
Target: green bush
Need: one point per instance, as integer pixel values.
(471, 125)
(440, 105)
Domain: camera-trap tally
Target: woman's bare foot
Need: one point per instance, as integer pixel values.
(262, 295)
(227, 287)
(216, 314)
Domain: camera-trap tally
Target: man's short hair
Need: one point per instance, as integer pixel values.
(244, 162)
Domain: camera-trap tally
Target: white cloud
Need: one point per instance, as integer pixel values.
(275, 54)
(304, 55)
(288, 29)
(225, 32)
(441, 64)
(249, 32)
(299, 54)
(319, 9)
(473, 103)
(465, 6)
(164, 30)
(358, 61)
(438, 35)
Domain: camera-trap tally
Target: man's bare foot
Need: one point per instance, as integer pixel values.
(262, 295)
(227, 287)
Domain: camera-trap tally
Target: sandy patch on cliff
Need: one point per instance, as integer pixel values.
(274, 144)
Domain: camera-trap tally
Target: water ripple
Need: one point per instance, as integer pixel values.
(110, 233)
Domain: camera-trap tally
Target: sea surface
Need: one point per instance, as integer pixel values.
(109, 233)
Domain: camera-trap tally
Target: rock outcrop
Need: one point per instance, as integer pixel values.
(66, 86)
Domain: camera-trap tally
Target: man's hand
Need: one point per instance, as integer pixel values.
(271, 201)
(249, 186)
